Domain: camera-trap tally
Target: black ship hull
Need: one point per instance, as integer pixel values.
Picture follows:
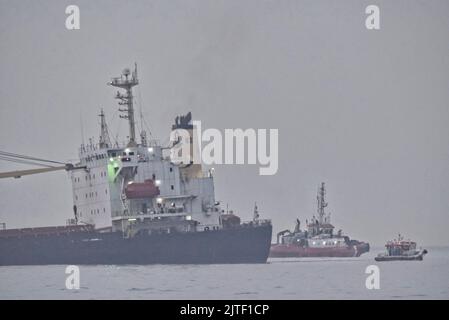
(245, 244)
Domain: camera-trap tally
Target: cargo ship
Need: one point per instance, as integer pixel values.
(402, 250)
(133, 205)
(318, 240)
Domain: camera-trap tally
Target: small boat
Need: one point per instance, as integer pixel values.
(400, 249)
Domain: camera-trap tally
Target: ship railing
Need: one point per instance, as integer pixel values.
(149, 215)
(256, 222)
(252, 223)
(44, 231)
(92, 147)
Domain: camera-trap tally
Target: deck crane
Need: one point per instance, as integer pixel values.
(23, 159)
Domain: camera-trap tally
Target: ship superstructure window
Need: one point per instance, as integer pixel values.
(172, 187)
(171, 169)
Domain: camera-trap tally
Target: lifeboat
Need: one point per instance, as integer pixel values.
(139, 190)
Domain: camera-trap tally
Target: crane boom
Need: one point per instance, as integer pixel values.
(20, 173)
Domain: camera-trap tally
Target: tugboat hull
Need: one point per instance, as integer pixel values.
(244, 244)
(415, 257)
(292, 251)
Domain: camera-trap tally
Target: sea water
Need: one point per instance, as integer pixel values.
(302, 278)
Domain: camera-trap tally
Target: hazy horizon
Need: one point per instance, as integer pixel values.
(364, 111)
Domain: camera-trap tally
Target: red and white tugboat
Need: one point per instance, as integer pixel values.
(400, 249)
(318, 240)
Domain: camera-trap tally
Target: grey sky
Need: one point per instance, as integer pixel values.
(365, 111)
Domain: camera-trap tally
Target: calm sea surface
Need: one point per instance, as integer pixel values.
(327, 278)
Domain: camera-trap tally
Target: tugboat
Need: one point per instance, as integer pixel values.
(133, 205)
(318, 240)
(400, 249)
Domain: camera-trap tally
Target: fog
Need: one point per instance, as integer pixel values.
(365, 111)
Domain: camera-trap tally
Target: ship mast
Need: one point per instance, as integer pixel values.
(321, 203)
(127, 83)
(105, 141)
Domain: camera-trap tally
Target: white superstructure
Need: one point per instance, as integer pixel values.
(135, 185)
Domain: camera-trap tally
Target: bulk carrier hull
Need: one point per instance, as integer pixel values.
(244, 244)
